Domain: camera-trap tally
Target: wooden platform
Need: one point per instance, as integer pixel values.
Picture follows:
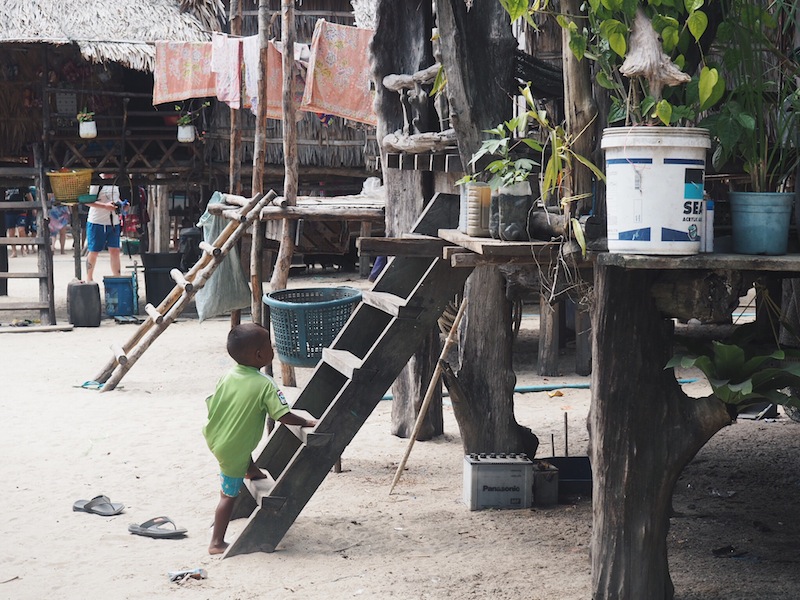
(787, 263)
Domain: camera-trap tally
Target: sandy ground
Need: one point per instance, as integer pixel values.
(142, 445)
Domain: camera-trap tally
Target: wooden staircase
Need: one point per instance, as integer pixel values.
(363, 361)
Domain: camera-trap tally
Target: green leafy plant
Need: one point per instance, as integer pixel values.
(755, 129)
(740, 374)
(84, 116)
(605, 36)
(187, 117)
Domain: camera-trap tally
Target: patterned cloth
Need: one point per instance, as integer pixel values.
(274, 73)
(338, 73)
(182, 71)
(226, 64)
(59, 218)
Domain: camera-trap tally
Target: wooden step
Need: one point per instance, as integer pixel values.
(307, 435)
(23, 275)
(24, 305)
(16, 241)
(260, 489)
(391, 304)
(347, 363)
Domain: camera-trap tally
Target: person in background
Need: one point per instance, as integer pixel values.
(59, 222)
(103, 230)
(16, 219)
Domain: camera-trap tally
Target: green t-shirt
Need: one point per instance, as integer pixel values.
(236, 414)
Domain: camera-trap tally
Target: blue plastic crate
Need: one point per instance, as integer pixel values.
(307, 320)
(121, 296)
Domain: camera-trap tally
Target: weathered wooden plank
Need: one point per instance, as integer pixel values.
(22, 275)
(788, 263)
(322, 213)
(431, 247)
(23, 305)
(493, 247)
(36, 328)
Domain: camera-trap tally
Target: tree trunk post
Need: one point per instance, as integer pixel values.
(643, 430)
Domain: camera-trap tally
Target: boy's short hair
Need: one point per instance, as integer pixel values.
(244, 339)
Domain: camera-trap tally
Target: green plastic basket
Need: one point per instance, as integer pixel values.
(307, 320)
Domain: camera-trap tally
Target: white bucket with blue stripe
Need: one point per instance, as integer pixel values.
(654, 188)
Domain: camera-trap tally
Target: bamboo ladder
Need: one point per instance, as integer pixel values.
(186, 286)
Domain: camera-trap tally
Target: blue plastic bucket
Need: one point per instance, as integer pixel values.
(121, 296)
(761, 221)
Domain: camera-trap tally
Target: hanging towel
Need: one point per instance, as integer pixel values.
(226, 64)
(338, 73)
(182, 71)
(252, 74)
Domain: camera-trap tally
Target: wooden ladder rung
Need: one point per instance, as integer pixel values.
(23, 275)
(24, 305)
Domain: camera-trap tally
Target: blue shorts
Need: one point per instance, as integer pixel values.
(100, 237)
(230, 485)
(14, 220)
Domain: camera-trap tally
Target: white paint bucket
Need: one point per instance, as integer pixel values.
(654, 188)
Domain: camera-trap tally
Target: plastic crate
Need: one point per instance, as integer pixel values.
(69, 185)
(307, 320)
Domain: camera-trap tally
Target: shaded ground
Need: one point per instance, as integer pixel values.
(142, 446)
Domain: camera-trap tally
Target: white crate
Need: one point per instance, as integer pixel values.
(498, 481)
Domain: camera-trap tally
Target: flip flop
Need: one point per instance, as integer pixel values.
(99, 505)
(153, 528)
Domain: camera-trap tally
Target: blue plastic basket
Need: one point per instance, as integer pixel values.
(307, 320)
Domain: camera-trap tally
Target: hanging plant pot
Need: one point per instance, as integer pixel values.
(87, 129)
(186, 133)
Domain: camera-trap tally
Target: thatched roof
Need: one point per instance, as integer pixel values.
(110, 31)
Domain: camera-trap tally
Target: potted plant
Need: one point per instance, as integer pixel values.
(651, 57)
(755, 130)
(510, 170)
(87, 128)
(186, 129)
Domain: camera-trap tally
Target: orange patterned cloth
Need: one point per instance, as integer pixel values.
(338, 73)
(182, 71)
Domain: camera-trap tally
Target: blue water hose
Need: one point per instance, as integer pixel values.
(547, 387)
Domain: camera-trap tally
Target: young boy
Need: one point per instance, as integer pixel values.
(236, 414)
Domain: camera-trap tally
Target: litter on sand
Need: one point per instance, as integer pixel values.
(179, 576)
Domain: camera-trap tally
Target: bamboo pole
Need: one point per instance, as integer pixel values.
(429, 393)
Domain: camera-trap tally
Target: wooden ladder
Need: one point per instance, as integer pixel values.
(44, 273)
(382, 334)
(186, 286)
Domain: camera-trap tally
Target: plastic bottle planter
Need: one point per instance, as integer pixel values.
(87, 129)
(474, 209)
(186, 134)
(509, 210)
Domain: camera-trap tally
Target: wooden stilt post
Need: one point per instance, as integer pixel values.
(235, 151)
(280, 274)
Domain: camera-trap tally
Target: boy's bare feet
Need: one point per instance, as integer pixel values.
(217, 548)
(253, 472)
